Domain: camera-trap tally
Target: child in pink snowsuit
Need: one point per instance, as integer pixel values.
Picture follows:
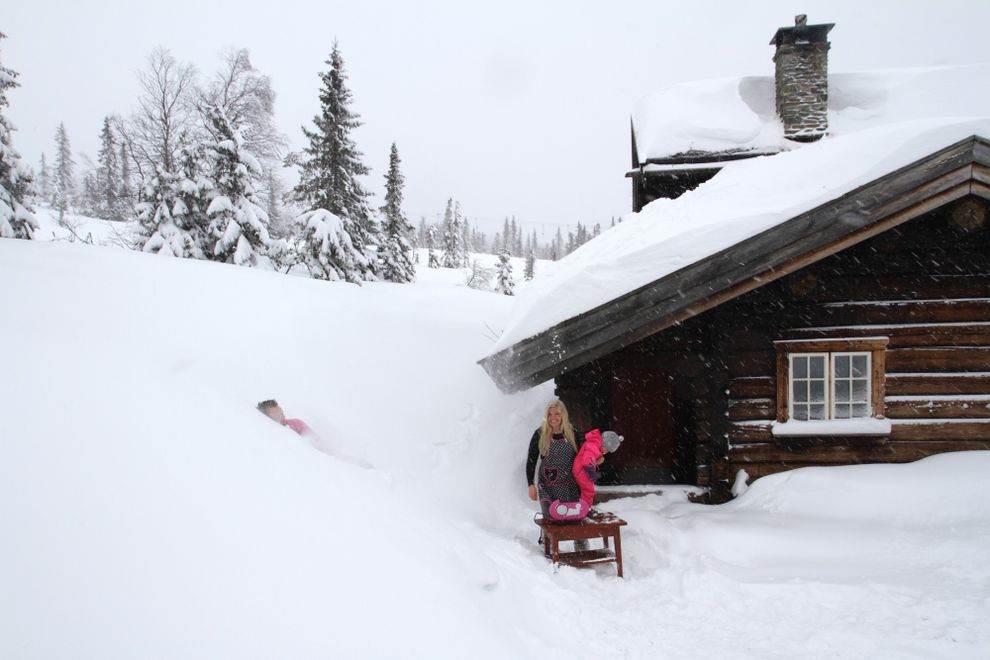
(271, 408)
(585, 472)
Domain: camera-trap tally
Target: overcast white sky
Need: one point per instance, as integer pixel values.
(513, 108)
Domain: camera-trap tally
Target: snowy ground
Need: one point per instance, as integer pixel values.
(149, 511)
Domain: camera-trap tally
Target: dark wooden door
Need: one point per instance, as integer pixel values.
(642, 411)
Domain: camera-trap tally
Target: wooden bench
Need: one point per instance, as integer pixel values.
(601, 525)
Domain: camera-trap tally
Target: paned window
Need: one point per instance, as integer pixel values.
(829, 386)
(830, 379)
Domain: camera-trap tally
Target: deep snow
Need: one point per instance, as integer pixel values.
(149, 511)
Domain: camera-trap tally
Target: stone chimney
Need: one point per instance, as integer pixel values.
(802, 78)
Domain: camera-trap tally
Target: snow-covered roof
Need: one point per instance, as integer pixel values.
(880, 123)
(746, 198)
(737, 114)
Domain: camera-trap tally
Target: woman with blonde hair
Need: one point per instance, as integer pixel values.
(555, 445)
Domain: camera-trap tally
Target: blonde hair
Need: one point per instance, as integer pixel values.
(565, 426)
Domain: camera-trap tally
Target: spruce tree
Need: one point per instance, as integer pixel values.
(459, 222)
(272, 196)
(89, 200)
(421, 233)
(326, 248)
(238, 222)
(450, 237)
(329, 174)
(162, 232)
(191, 189)
(44, 187)
(108, 175)
(65, 184)
(454, 251)
(530, 269)
(395, 253)
(505, 284)
(172, 214)
(126, 191)
(466, 236)
(557, 248)
(16, 217)
(433, 247)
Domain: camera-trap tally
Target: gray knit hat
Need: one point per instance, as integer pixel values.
(611, 441)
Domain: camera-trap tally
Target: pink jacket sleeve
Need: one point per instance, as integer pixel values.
(297, 425)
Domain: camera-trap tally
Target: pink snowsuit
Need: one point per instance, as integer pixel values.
(297, 425)
(585, 473)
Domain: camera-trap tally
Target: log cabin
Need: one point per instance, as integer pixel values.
(823, 299)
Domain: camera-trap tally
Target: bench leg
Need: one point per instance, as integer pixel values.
(618, 552)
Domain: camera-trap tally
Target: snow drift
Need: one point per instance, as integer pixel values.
(149, 511)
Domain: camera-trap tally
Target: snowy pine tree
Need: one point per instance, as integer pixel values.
(108, 175)
(329, 175)
(433, 247)
(466, 236)
(327, 250)
(455, 253)
(421, 233)
(89, 199)
(505, 283)
(530, 269)
(247, 98)
(162, 232)
(16, 218)
(125, 193)
(395, 252)
(65, 183)
(44, 186)
(172, 213)
(238, 222)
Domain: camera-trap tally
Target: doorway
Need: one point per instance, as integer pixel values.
(642, 410)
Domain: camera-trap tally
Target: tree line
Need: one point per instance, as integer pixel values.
(196, 165)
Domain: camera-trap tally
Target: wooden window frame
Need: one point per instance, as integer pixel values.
(876, 347)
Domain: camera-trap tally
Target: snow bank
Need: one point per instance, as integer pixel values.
(941, 490)
(147, 504)
(149, 511)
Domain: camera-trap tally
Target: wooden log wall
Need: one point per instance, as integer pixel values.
(925, 285)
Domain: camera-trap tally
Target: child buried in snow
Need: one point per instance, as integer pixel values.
(585, 470)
